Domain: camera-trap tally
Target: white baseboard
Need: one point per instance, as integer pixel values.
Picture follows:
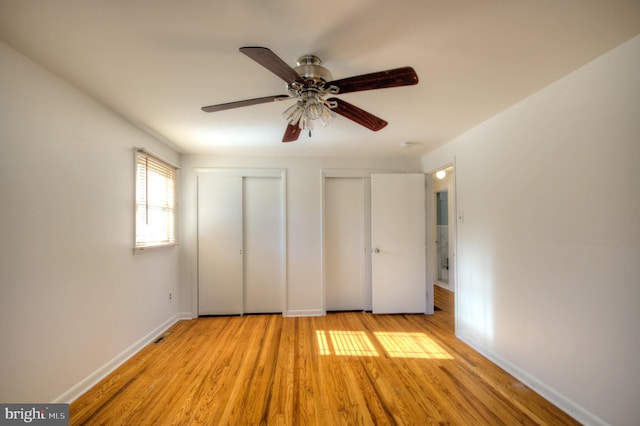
(91, 380)
(304, 313)
(565, 404)
(186, 316)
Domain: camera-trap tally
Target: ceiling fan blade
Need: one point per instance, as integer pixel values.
(358, 115)
(273, 63)
(247, 102)
(292, 133)
(397, 77)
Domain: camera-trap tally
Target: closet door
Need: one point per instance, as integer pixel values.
(398, 239)
(263, 245)
(344, 244)
(220, 266)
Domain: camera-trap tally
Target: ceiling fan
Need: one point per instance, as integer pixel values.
(312, 86)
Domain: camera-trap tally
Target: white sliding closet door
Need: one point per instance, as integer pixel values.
(344, 244)
(263, 245)
(241, 250)
(398, 239)
(220, 263)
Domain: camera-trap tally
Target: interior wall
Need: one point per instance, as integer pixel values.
(73, 296)
(547, 281)
(304, 221)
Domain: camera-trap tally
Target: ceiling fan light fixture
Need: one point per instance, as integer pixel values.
(294, 113)
(313, 108)
(327, 115)
(308, 108)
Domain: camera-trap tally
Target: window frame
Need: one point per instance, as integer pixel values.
(169, 172)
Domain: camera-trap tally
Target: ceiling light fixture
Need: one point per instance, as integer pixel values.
(440, 174)
(311, 104)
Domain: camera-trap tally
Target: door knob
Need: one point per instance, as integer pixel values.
(376, 250)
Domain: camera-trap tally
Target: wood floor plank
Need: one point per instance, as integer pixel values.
(343, 368)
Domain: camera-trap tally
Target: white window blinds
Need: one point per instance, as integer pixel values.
(156, 206)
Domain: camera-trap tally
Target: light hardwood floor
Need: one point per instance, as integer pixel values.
(341, 369)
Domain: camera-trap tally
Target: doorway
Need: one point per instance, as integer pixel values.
(442, 227)
(442, 237)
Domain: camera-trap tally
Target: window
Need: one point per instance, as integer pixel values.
(156, 206)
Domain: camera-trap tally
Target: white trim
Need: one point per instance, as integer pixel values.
(323, 272)
(139, 250)
(241, 172)
(456, 314)
(186, 316)
(556, 398)
(285, 242)
(358, 173)
(94, 378)
(429, 237)
(304, 313)
(367, 261)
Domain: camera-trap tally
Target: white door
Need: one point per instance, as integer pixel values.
(263, 245)
(219, 245)
(344, 244)
(398, 240)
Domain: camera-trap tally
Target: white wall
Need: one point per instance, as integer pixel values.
(548, 277)
(304, 220)
(72, 294)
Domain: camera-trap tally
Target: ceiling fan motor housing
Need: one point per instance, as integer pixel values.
(309, 68)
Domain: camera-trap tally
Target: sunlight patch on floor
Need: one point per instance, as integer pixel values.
(323, 344)
(353, 343)
(395, 344)
(410, 345)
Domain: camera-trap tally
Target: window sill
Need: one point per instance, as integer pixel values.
(137, 250)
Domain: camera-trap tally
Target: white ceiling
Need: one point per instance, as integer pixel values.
(156, 62)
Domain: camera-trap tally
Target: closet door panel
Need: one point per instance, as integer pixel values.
(398, 239)
(344, 244)
(263, 245)
(220, 266)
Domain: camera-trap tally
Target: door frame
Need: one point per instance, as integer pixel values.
(436, 249)
(248, 172)
(432, 271)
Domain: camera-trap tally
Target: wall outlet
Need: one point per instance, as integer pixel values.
(170, 296)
